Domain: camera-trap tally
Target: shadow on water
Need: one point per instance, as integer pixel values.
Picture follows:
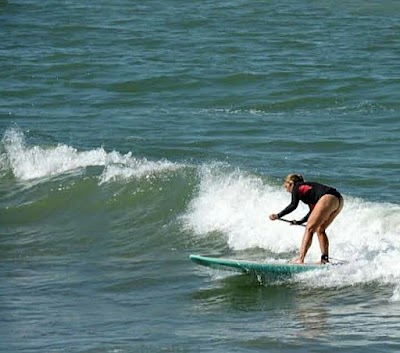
(279, 310)
(285, 312)
(243, 292)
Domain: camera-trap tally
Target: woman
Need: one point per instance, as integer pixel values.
(325, 204)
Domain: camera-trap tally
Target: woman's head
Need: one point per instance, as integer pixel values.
(292, 179)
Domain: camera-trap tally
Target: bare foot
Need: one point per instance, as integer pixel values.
(297, 261)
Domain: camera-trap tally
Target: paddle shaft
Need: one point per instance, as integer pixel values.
(287, 221)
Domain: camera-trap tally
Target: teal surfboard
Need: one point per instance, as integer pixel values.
(253, 267)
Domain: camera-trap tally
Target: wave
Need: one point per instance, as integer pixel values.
(211, 200)
(36, 162)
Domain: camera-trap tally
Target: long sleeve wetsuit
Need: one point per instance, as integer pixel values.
(309, 193)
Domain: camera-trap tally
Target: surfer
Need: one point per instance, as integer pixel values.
(325, 204)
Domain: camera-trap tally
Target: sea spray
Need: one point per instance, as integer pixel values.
(396, 294)
(237, 204)
(133, 168)
(35, 162)
(32, 162)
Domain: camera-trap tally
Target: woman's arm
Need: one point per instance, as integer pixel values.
(293, 204)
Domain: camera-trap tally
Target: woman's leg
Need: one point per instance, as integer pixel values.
(324, 212)
(322, 237)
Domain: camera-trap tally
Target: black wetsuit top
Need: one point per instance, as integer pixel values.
(309, 193)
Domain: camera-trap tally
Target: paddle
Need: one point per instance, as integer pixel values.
(287, 221)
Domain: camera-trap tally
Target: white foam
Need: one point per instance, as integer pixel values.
(136, 168)
(237, 205)
(35, 162)
(396, 294)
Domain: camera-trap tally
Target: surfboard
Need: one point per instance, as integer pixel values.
(276, 269)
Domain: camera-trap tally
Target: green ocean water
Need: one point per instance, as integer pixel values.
(134, 134)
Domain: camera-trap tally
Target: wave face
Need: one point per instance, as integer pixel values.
(213, 203)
